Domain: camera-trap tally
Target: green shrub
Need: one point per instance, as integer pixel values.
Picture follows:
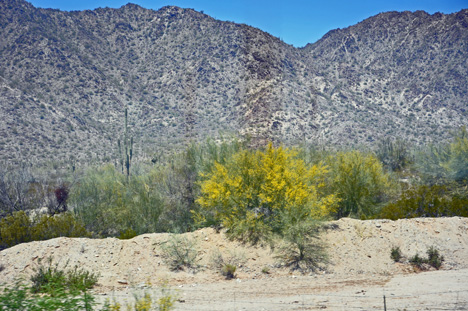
(266, 270)
(426, 201)
(394, 154)
(228, 263)
(180, 252)
(229, 271)
(48, 278)
(440, 163)
(396, 254)
(127, 234)
(301, 249)
(15, 229)
(20, 228)
(360, 182)
(108, 204)
(434, 259)
(20, 297)
(417, 261)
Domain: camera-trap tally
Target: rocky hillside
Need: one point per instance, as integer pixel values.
(67, 77)
(398, 74)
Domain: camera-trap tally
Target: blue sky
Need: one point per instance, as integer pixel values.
(296, 22)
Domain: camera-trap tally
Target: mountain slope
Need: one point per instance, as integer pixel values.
(67, 77)
(405, 72)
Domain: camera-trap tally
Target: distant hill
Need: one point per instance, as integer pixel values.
(67, 77)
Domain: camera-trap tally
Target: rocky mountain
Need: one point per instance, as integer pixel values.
(66, 79)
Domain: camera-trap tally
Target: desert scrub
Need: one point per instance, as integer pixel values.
(426, 201)
(434, 259)
(227, 264)
(301, 248)
(109, 204)
(147, 302)
(250, 192)
(48, 278)
(229, 271)
(20, 297)
(180, 252)
(395, 254)
(127, 234)
(360, 182)
(20, 228)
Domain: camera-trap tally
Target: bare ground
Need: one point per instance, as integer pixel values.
(359, 275)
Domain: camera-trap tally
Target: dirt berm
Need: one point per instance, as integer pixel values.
(359, 274)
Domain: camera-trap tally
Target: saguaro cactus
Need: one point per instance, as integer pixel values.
(126, 159)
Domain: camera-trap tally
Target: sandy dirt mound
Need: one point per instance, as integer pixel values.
(359, 254)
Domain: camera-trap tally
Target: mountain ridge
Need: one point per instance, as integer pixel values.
(67, 77)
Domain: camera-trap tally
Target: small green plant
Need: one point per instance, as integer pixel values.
(127, 234)
(301, 249)
(396, 254)
(229, 271)
(266, 270)
(48, 278)
(21, 297)
(434, 258)
(165, 302)
(180, 252)
(227, 264)
(417, 261)
(168, 298)
(143, 303)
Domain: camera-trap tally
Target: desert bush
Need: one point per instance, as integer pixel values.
(166, 301)
(426, 201)
(108, 204)
(49, 278)
(250, 192)
(360, 182)
(229, 271)
(20, 228)
(394, 154)
(301, 248)
(434, 259)
(23, 190)
(266, 270)
(417, 261)
(127, 234)
(180, 176)
(20, 297)
(227, 264)
(395, 254)
(180, 252)
(439, 163)
(15, 190)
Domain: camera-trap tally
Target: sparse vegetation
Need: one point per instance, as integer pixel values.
(395, 254)
(180, 252)
(434, 259)
(301, 248)
(49, 278)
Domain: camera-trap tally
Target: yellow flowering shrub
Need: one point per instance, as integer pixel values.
(256, 191)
